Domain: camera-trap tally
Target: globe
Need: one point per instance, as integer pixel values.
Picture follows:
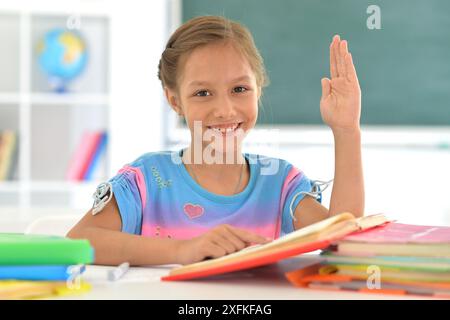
(62, 56)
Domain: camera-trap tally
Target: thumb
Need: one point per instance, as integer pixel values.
(326, 87)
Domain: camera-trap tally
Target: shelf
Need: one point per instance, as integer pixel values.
(54, 99)
(9, 98)
(78, 99)
(10, 186)
(48, 186)
(50, 125)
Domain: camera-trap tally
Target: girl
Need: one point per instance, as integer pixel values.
(211, 199)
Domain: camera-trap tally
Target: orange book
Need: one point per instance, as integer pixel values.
(8, 145)
(322, 277)
(311, 238)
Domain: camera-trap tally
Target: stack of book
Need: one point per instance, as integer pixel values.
(8, 154)
(311, 238)
(86, 159)
(393, 258)
(38, 266)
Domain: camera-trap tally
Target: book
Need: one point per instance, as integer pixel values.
(404, 258)
(96, 159)
(83, 155)
(322, 277)
(23, 249)
(8, 146)
(398, 239)
(407, 263)
(40, 273)
(311, 238)
(17, 289)
(388, 273)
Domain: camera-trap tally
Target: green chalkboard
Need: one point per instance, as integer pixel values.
(403, 68)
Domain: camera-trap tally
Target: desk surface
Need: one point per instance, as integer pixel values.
(262, 283)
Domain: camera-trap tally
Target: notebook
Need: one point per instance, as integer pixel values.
(326, 277)
(402, 258)
(41, 273)
(12, 289)
(400, 240)
(23, 249)
(311, 238)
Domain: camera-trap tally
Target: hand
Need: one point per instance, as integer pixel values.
(340, 105)
(220, 241)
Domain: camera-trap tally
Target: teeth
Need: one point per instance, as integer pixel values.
(225, 130)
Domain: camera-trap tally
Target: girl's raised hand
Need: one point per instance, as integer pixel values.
(340, 104)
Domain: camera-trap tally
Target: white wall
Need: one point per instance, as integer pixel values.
(138, 35)
(410, 185)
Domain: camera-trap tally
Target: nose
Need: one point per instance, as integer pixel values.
(225, 107)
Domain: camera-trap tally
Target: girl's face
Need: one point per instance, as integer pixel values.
(218, 88)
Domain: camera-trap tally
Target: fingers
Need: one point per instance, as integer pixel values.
(333, 60)
(226, 239)
(339, 50)
(233, 239)
(326, 87)
(350, 67)
(343, 48)
(212, 250)
(236, 241)
(341, 64)
(248, 237)
(333, 57)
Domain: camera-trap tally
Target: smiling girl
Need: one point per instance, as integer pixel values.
(211, 199)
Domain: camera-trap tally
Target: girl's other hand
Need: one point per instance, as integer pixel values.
(220, 241)
(340, 105)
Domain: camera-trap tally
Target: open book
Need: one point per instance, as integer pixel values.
(313, 237)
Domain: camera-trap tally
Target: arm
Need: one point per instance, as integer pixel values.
(113, 247)
(348, 186)
(340, 107)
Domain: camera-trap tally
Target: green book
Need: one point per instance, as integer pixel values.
(25, 249)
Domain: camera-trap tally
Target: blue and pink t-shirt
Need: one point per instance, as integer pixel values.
(157, 197)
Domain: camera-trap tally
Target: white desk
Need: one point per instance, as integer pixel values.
(266, 282)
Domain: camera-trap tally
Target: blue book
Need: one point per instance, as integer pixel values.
(41, 273)
(101, 147)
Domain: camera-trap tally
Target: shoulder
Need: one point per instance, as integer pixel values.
(145, 165)
(155, 158)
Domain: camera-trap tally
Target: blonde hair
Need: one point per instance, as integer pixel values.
(205, 30)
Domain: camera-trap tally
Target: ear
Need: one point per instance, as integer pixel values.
(173, 100)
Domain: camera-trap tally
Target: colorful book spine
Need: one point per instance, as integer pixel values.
(96, 160)
(19, 289)
(8, 146)
(40, 273)
(83, 156)
(33, 250)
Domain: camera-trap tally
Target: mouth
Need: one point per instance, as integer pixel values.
(226, 129)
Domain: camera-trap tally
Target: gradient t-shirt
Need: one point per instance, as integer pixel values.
(157, 197)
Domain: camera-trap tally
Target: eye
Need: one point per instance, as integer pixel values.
(239, 89)
(202, 93)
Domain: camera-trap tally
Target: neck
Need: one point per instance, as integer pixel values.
(213, 160)
(221, 178)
